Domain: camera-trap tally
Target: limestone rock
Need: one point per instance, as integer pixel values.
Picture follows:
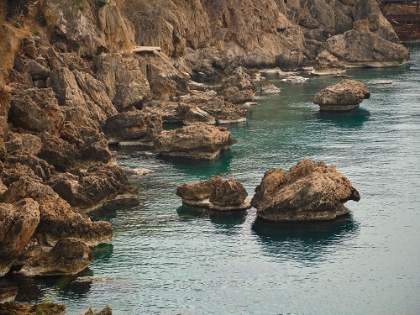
(366, 49)
(69, 256)
(124, 79)
(36, 109)
(37, 71)
(197, 141)
(215, 193)
(343, 96)
(106, 311)
(196, 114)
(139, 127)
(57, 219)
(214, 105)
(308, 192)
(101, 186)
(17, 225)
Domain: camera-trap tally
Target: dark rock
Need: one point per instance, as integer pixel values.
(12, 308)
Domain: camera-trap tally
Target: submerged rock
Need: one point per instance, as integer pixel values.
(215, 193)
(308, 192)
(197, 141)
(12, 308)
(343, 96)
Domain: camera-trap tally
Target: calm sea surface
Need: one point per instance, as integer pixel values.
(168, 259)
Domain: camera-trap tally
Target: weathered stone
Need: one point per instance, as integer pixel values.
(197, 141)
(343, 96)
(100, 187)
(36, 109)
(308, 192)
(18, 222)
(124, 79)
(366, 49)
(215, 193)
(196, 114)
(37, 71)
(139, 127)
(106, 311)
(58, 219)
(69, 256)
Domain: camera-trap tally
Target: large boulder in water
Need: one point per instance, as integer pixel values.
(308, 192)
(215, 193)
(197, 141)
(343, 96)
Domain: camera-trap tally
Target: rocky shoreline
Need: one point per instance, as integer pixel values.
(77, 78)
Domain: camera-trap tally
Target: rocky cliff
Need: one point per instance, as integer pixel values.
(77, 75)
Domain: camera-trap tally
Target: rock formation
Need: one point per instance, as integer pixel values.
(197, 141)
(71, 81)
(215, 193)
(343, 96)
(308, 192)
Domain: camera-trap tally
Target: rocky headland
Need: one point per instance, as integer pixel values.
(77, 76)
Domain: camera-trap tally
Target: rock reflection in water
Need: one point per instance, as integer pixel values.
(351, 119)
(304, 242)
(225, 221)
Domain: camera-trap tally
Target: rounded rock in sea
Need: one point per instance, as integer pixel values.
(308, 192)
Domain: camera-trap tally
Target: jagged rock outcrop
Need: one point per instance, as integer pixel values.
(215, 193)
(125, 80)
(100, 187)
(308, 192)
(343, 96)
(197, 141)
(35, 109)
(57, 219)
(17, 225)
(133, 128)
(69, 256)
(358, 48)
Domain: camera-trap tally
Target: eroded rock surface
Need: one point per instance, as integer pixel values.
(308, 192)
(343, 96)
(215, 193)
(197, 141)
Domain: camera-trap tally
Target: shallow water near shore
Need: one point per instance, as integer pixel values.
(167, 258)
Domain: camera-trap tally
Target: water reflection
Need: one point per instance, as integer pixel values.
(351, 119)
(202, 168)
(305, 242)
(225, 221)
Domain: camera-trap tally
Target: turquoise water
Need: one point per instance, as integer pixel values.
(169, 259)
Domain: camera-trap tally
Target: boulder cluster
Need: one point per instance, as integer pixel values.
(308, 192)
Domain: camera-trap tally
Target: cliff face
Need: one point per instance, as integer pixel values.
(250, 32)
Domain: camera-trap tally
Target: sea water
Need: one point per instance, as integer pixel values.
(166, 258)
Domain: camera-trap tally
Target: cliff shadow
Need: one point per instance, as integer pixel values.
(304, 242)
